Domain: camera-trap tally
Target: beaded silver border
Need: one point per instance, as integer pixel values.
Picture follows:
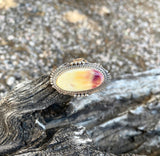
(68, 66)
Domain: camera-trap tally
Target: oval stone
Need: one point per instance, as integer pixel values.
(80, 79)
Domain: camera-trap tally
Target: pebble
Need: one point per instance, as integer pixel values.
(104, 11)
(10, 37)
(74, 16)
(10, 81)
(6, 4)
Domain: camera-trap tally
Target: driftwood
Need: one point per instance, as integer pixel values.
(124, 118)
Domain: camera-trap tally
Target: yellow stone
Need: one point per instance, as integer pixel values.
(79, 79)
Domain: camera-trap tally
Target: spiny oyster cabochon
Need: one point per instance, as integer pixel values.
(79, 78)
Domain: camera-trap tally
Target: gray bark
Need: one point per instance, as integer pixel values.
(122, 119)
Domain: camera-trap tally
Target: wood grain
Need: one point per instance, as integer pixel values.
(122, 119)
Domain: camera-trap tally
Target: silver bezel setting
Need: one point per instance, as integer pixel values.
(69, 66)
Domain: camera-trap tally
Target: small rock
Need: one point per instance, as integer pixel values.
(104, 11)
(74, 16)
(10, 81)
(31, 43)
(6, 4)
(10, 37)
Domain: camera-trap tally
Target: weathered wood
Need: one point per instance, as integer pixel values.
(124, 118)
(19, 110)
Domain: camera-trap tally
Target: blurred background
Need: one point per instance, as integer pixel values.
(36, 36)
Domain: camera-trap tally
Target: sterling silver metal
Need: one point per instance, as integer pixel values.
(75, 64)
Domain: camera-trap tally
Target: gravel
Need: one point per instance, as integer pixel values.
(36, 36)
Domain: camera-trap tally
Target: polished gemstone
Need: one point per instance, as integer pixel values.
(80, 79)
